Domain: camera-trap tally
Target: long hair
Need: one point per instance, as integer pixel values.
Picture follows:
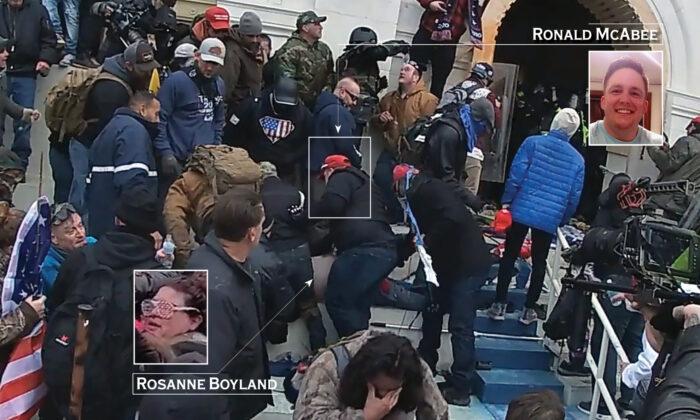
(387, 354)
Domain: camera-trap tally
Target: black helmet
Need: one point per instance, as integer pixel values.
(483, 71)
(285, 92)
(362, 35)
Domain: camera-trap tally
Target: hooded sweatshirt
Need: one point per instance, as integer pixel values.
(191, 113)
(329, 113)
(104, 98)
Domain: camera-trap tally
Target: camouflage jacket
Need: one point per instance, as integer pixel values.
(318, 398)
(310, 65)
(17, 323)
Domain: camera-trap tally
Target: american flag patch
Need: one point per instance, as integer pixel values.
(276, 129)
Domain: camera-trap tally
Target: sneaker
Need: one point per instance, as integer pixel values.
(67, 60)
(569, 369)
(603, 413)
(454, 396)
(497, 311)
(624, 408)
(528, 317)
(60, 41)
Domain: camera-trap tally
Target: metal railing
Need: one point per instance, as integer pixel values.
(609, 335)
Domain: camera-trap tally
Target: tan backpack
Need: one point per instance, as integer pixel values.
(225, 166)
(65, 102)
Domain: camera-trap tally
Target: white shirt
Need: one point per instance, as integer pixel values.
(635, 372)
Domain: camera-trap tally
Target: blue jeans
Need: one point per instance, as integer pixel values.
(457, 297)
(62, 172)
(21, 89)
(352, 284)
(384, 178)
(79, 158)
(629, 327)
(71, 14)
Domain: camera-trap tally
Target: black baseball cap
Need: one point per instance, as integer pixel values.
(142, 56)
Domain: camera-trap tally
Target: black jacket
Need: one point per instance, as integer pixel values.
(119, 250)
(287, 231)
(105, 97)
(7, 105)
(347, 195)
(277, 137)
(445, 155)
(236, 316)
(452, 237)
(677, 396)
(31, 38)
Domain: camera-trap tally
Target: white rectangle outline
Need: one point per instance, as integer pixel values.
(133, 350)
(133, 391)
(308, 177)
(663, 97)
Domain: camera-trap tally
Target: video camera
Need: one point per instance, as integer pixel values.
(123, 21)
(662, 255)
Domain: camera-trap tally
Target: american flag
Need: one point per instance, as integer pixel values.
(276, 129)
(22, 388)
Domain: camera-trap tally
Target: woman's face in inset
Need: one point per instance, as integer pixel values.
(170, 319)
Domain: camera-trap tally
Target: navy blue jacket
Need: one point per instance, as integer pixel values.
(328, 113)
(188, 117)
(545, 182)
(120, 158)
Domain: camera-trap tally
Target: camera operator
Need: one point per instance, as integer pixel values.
(360, 61)
(616, 204)
(677, 163)
(129, 21)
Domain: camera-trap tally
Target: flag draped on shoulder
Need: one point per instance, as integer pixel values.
(22, 388)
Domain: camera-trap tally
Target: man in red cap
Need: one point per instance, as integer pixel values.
(214, 23)
(461, 261)
(366, 245)
(680, 162)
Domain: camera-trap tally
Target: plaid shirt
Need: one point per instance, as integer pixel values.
(458, 20)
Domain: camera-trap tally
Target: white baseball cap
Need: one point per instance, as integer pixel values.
(213, 50)
(185, 51)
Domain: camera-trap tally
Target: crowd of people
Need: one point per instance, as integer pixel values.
(250, 162)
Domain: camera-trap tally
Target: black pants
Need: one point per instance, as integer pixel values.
(90, 33)
(441, 57)
(540, 248)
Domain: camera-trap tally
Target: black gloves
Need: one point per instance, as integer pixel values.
(170, 167)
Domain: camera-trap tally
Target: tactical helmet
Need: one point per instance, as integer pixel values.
(362, 35)
(483, 71)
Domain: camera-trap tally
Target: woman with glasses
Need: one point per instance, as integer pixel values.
(173, 323)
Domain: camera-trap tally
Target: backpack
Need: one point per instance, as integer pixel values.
(109, 356)
(293, 380)
(225, 166)
(572, 307)
(65, 102)
(411, 145)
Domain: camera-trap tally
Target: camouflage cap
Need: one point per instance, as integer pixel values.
(309, 17)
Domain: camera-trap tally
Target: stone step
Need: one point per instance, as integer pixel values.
(500, 386)
(513, 354)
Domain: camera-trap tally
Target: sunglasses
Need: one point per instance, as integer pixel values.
(61, 213)
(163, 309)
(355, 97)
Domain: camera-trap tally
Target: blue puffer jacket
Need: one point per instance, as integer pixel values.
(545, 182)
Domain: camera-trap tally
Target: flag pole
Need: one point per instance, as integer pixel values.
(41, 173)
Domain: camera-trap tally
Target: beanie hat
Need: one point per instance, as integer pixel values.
(268, 169)
(482, 110)
(138, 209)
(250, 24)
(566, 121)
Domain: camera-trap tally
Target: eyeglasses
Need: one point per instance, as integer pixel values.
(163, 309)
(61, 213)
(353, 96)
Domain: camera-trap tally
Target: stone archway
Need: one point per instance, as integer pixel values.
(606, 11)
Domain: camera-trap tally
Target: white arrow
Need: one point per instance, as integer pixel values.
(337, 128)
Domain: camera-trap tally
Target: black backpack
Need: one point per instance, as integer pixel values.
(411, 146)
(109, 359)
(572, 308)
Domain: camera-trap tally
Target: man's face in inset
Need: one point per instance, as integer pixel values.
(624, 100)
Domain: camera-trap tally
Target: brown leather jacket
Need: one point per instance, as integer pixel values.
(242, 72)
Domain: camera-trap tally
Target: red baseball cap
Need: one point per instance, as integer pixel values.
(218, 18)
(401, 170)
(335, 162)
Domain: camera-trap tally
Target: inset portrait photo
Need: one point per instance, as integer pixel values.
(170, 317)
(626, 98)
